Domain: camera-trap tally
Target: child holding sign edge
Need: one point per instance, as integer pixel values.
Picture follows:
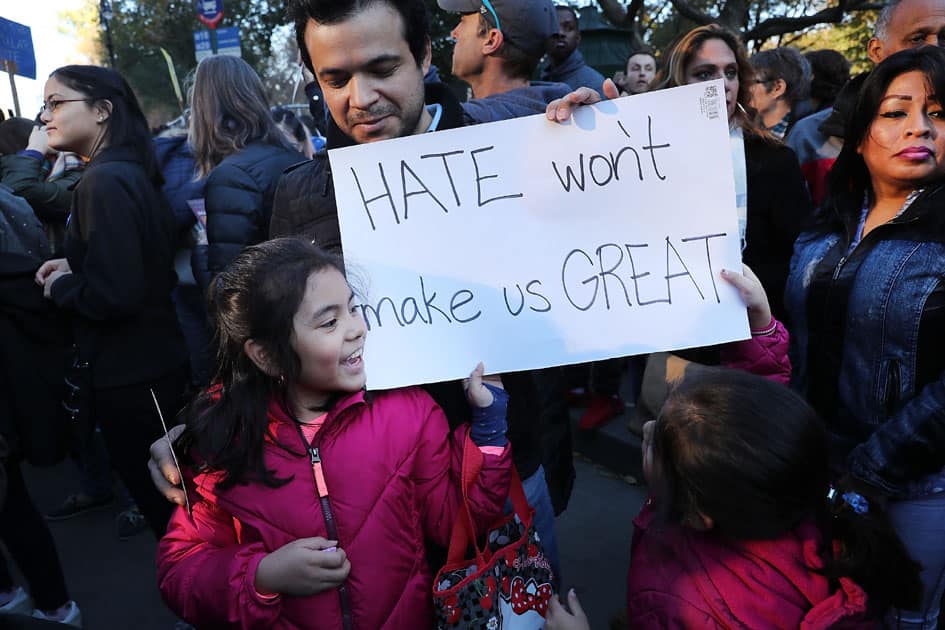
(311, 499)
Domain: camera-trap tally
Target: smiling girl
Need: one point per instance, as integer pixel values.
(312, 500)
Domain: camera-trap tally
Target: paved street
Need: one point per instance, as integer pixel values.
(114, 581)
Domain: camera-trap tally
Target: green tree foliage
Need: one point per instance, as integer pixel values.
(849, 38)
(140, 27)
(757, 21)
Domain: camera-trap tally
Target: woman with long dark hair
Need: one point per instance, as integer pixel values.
(867, 298)
(117, 275)
(242, 152)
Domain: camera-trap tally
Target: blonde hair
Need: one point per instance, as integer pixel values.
(229, 110)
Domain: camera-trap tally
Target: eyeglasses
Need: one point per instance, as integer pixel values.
(53, 105)
(488, 5)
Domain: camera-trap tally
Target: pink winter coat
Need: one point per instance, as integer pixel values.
(764, 355)
(391, 468)
(682, 578)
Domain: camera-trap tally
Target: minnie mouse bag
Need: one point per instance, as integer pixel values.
(507, 585)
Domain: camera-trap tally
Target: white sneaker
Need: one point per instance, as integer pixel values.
(68, 615)
(21, 604)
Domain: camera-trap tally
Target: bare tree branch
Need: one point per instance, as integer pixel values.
(832, 15)
(614, 11)
(688, 11)
(625, 17)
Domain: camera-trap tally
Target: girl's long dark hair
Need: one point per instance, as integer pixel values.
(753, 456)
(256, 297)
(849, 179)
(126, 124)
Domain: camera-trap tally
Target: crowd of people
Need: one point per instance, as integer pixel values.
(796, 479)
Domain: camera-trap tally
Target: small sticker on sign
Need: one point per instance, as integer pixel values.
(709, 103)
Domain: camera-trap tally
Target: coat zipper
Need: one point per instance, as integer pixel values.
(344, 596)
(843, 259)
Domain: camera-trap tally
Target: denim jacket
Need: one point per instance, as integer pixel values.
(886, 429)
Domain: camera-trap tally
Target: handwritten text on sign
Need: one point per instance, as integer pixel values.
(528, 244)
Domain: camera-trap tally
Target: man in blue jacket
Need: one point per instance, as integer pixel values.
(498, 46)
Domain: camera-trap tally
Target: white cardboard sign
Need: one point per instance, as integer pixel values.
(528, 244)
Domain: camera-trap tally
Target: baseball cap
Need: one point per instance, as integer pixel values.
(526, 24)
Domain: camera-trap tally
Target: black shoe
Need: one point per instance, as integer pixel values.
(76, 504)
(129, 523)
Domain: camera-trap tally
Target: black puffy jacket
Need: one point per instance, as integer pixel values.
(238, 198)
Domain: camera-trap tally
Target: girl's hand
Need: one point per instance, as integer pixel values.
(38, 141)
(490, 405)
(560, 619)
(49, 267)
(477, 393)
(51, 280)
(753, 295)
(163, 470)
(303, 567)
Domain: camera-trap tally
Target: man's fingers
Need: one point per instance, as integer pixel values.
(610, 89)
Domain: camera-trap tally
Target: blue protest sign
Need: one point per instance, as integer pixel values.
(202, 45)
(16, 45)
(210, 12)
(228, 41)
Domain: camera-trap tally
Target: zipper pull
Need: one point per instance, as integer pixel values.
(836, 271)
(316, 459)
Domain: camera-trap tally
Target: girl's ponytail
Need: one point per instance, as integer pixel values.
(868, 551)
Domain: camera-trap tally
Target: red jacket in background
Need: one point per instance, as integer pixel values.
(392, 471)
(682, 578)
(686, 579)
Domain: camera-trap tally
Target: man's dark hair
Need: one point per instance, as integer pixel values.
(831, 72)
(414, 14)
(565, 7)
(788, 64)
(516, 62)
